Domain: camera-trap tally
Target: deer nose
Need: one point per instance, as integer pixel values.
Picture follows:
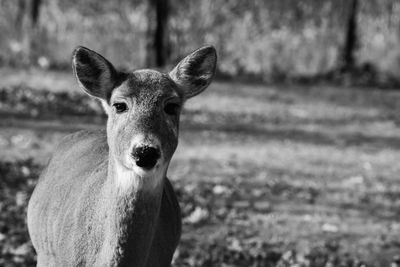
(146, 156)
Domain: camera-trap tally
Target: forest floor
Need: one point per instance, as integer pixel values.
(266, 175)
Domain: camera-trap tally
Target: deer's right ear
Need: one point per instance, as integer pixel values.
(196, 71)
(95, 74)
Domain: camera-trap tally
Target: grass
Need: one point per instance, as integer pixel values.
(297, 168)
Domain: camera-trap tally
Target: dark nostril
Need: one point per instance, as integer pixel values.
(146, 156)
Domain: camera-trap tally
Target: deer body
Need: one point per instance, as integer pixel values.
(104, 198)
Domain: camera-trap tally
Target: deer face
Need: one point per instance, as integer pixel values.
(143, 106)
(143, 120)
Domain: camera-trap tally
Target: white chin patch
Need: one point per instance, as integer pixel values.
(138, 178)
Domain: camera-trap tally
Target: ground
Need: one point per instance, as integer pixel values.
(266, 175)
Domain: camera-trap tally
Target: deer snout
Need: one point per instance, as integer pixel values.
(146, 156)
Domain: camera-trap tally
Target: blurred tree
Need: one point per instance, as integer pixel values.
(158, 49)
(20, 15)
(351, 38)
(35, 8)
(28, 29)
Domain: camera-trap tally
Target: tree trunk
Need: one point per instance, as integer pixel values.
(351, 38)
(158, 48)
(20, 16)
(32, 34)
(35, 9)
(161, 35)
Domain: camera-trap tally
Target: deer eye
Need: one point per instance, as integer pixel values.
(171, 108)
(120, 107)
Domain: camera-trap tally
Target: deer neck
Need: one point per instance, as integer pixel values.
(132, 213)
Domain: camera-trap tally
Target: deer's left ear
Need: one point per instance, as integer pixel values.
(95, 74)
(196, 71)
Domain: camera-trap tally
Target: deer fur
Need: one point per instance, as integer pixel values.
(93, 206)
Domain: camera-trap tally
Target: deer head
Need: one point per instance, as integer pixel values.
(143, 107)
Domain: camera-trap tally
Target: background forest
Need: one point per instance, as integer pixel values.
(290, 158)
(273, 39)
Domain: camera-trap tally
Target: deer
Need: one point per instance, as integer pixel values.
(104, 198)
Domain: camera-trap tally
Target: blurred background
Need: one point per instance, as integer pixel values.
(290, 158)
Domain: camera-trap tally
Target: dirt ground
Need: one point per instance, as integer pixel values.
(295, 167)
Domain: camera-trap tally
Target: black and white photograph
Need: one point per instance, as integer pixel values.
(200, 133)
